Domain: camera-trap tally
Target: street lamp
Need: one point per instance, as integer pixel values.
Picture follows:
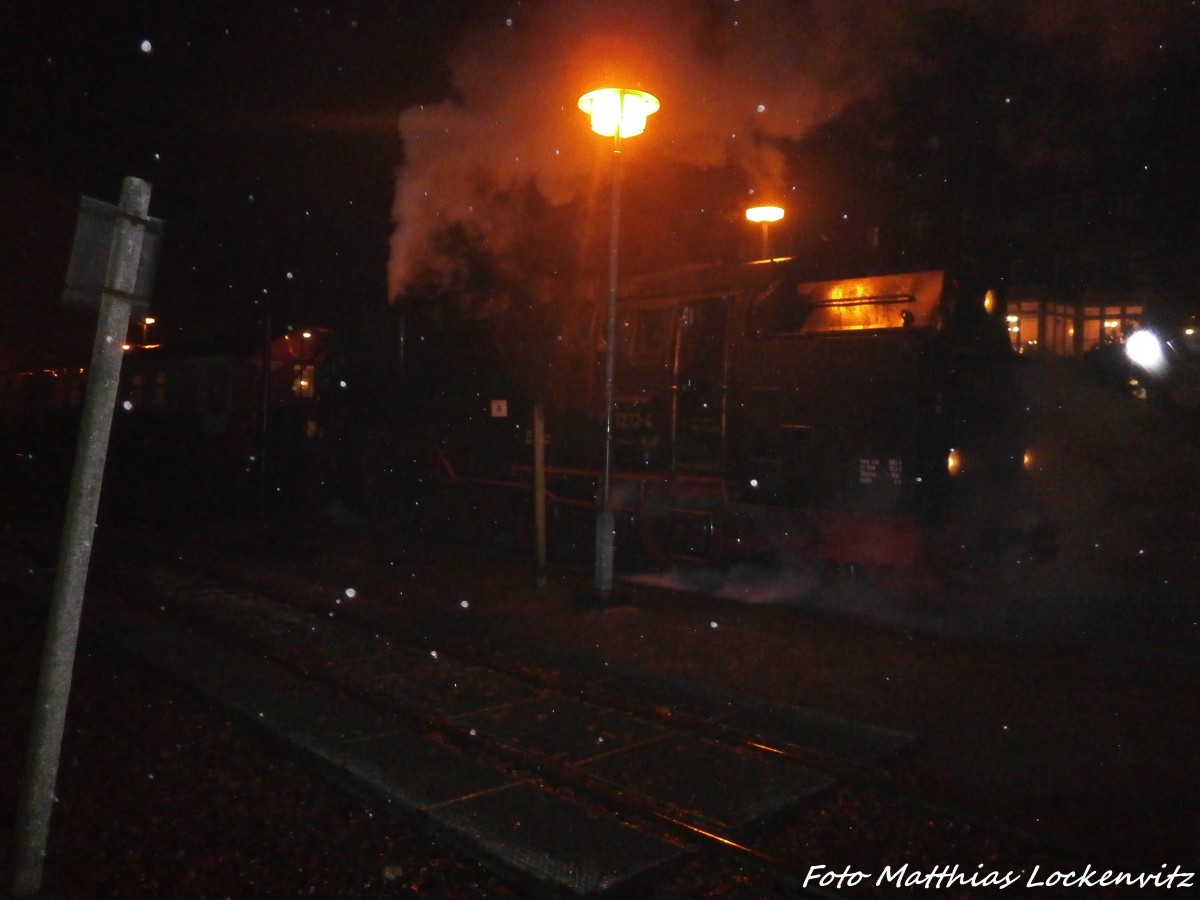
(618, 112)
(766, 215)
(615, 113)
(146, 323)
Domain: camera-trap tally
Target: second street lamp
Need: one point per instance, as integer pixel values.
(615, 113)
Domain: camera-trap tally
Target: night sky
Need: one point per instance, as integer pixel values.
(268, 131)
(274, 133)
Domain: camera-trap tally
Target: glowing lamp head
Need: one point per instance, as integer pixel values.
(764, 213)
(618, 112)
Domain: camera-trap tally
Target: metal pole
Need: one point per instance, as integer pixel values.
(264, 421)
(605, 519)
(539, 491)
(83, 500)
(402, 339)
(765, 245)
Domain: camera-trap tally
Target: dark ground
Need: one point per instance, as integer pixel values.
(1060, 702)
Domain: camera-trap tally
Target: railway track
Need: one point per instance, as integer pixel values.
(575, 775)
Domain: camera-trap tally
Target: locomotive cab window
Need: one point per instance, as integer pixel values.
(785, 311)
(646, 335)
(779, 312)
(865, 312)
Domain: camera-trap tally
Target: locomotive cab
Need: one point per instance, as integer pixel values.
(837, 418)
(757, 411)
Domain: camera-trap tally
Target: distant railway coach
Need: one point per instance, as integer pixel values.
(863, 420)
(220, 395)
(216, 411)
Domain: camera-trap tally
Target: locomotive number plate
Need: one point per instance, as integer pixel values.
(633, 421)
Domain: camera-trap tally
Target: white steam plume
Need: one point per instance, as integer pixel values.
(734, 76)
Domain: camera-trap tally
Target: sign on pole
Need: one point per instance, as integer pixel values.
(115, 288)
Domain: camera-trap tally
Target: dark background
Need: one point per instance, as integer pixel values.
(266, 129)
(1052, 144)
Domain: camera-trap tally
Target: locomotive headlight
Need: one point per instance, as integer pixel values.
(1144, 349)
(954, 462)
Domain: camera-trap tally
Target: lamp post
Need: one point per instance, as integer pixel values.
(616, 113)
(146, 323)
(766, 215)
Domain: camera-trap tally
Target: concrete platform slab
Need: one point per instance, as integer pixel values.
(440, 684)
(561, 727)
(415, 772)
(678, 695)
(376, 749)
(277, 700)
(780, 726)
(522, 824)
(717, 786)
(791, 728)
(709, 785)
(557, 840)
(277, 625)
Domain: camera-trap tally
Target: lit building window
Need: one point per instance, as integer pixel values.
(304, 381)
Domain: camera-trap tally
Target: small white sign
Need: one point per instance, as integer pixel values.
(499, 409)
(868, 469)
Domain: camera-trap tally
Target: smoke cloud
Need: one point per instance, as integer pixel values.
(737, 79)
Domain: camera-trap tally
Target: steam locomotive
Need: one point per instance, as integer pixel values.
(871, 421)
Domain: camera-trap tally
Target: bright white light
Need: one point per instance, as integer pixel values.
(618, 111)
(764, 213)
(147, 47)
(1145, 350)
